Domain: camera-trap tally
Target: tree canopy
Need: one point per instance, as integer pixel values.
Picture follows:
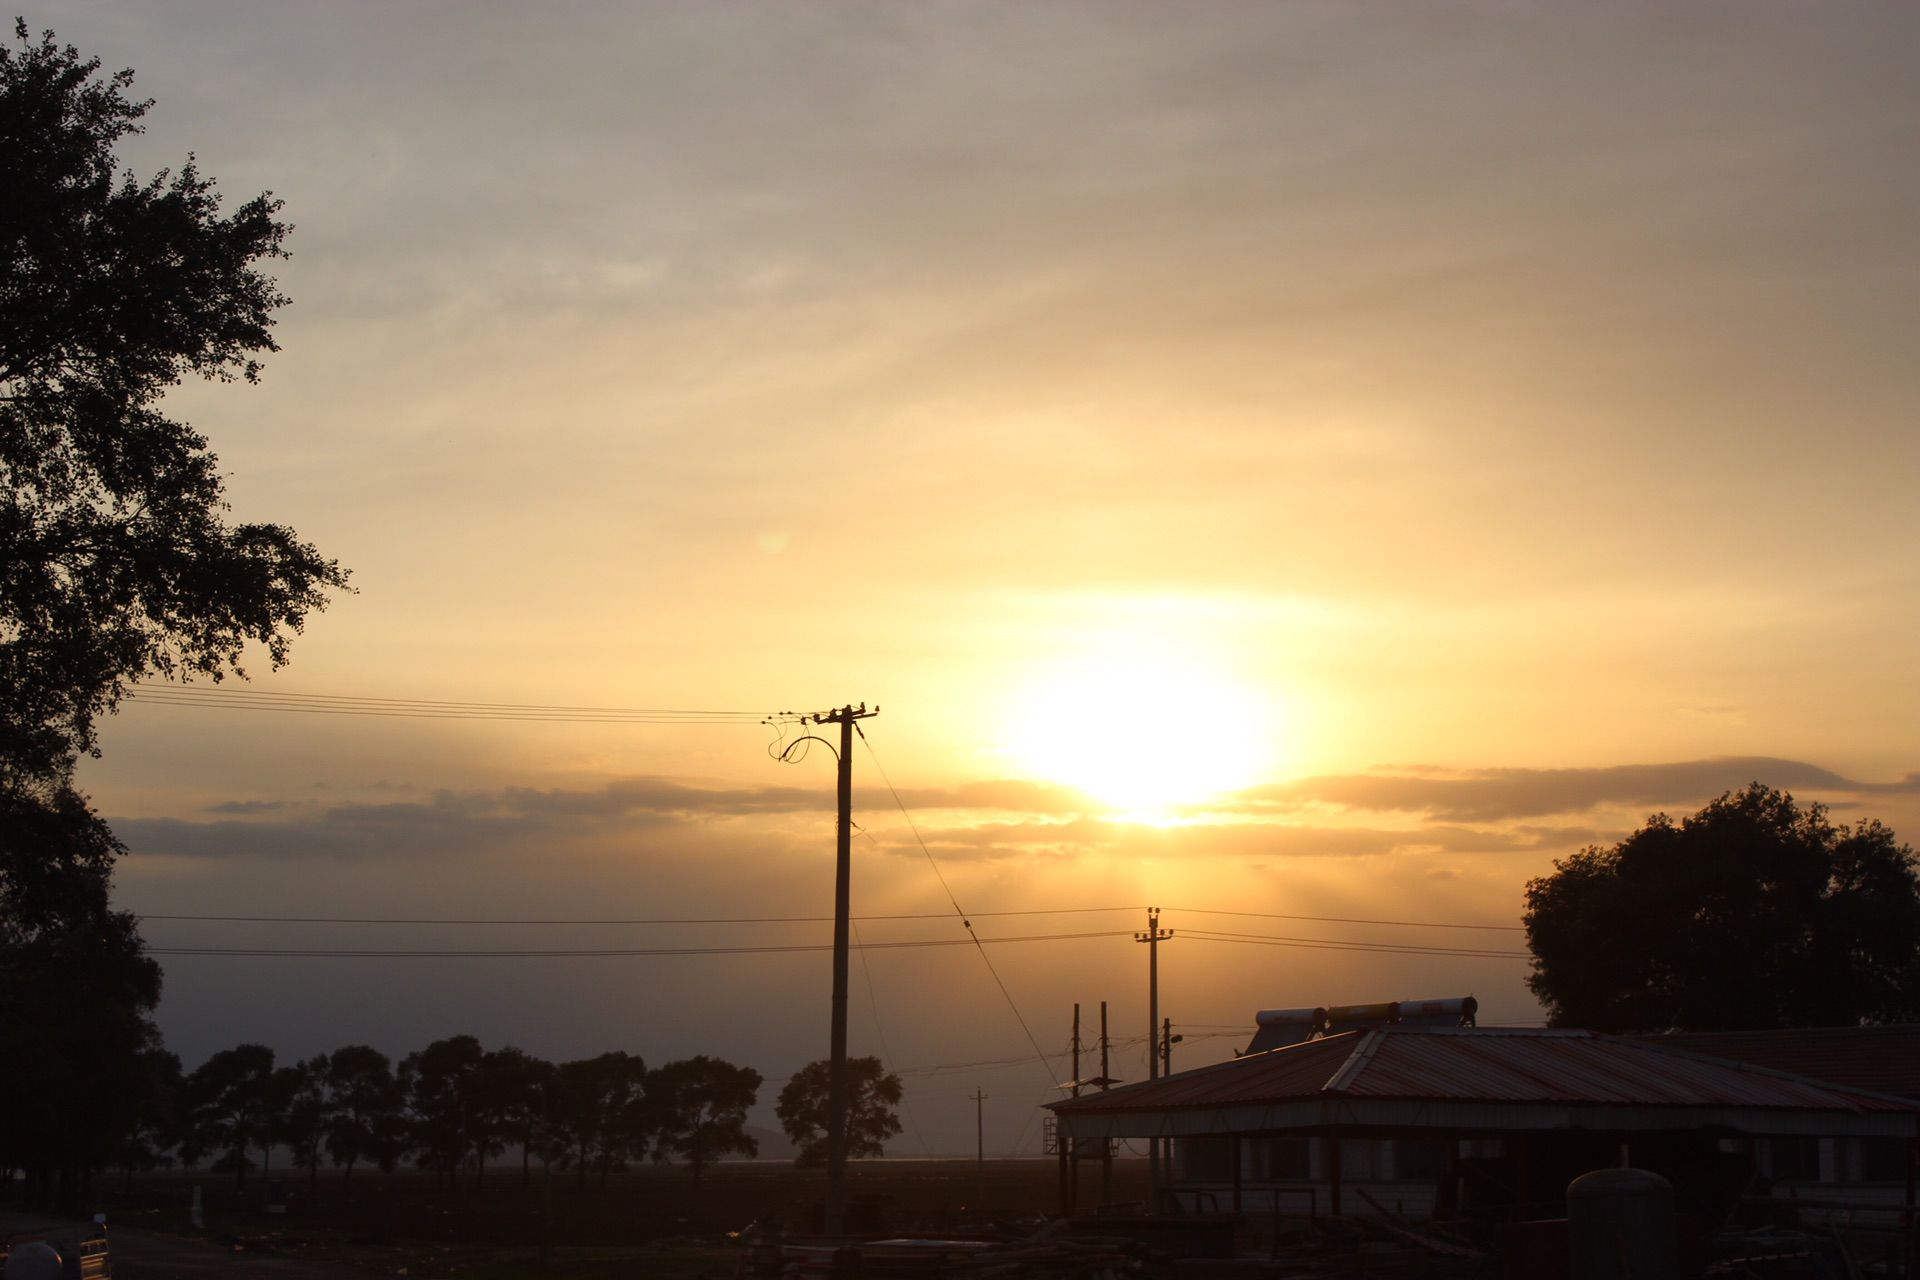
(116, 559)
(873, 1094)
(700, 1106)
(1753, 913)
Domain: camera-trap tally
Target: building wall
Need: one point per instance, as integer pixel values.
(1291, 1175)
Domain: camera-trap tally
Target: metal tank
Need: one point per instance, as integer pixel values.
(1620, 1226)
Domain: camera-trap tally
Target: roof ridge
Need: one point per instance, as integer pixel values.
(1481, 1033)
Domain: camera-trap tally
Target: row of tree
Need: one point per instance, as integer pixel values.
(454, 1105)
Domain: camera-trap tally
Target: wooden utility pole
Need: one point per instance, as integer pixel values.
(1153, 937)
(836, 1205)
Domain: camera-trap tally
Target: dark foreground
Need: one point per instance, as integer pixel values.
(645, 1222)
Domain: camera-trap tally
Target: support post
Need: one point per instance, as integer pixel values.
(1332, 1141)
(980, 1143)
(1106, 1144)
(1235, 1140)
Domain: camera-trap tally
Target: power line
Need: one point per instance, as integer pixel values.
(580, 952)
(1334, 944)
(972, 939)
(706, 920)
(1410, 924)
(1039, 1054)
(576, 920)
(214, 697)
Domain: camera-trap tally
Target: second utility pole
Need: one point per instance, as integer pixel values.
(1153, 937)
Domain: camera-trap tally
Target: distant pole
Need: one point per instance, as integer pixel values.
(1106, 1144)
(1074, 1084)
(835, 1208)
(980, 1144)
(1153, 938)
(1073, 1144)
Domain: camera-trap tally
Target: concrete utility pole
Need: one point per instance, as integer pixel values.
(836, 1204)
(1153, 937)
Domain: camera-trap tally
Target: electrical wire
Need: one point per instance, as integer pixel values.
(474, 953)
(704, 920)
(1039, 1054)
(1410, 924)
(972, 939)
(222, 698)
(575, 920)
(1330, 944)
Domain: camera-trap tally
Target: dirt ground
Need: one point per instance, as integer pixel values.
(650, 1221)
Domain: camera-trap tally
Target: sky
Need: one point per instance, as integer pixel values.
(1311, 461)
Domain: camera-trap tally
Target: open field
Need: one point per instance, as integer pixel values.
(650, 1220)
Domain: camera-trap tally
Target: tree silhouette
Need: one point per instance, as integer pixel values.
(118, 562)
(154, 1114)
(75, 1038)
(511, 1090)
(230, 1104)
(438, 1082)
(700, 1105)
(873, 1093)
(308, 1113)
(366, 1123)
(1753, 913)
(602, 1109)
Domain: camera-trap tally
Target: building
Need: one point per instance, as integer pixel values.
(1488, 1123)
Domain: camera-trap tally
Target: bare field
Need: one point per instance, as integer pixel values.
(652, 1217)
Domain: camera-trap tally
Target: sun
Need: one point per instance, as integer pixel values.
(1144, 734)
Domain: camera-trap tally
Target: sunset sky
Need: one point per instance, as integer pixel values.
(1320, 460)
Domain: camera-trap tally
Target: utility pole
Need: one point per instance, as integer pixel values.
(979, 1145)
(1167, 1041)
(1073, 1144)
(1153, 937)
(845, 717)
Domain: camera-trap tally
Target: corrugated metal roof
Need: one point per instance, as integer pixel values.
(1883, 1059)
(1570, 1068)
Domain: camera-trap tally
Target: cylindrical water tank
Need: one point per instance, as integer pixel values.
(1620, 1226)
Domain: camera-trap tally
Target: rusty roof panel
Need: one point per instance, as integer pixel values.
(1579, 1067)
(1300, 1070)
(1883, 1059)
(1483, 1065)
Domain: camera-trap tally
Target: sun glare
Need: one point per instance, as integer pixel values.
(1144, 735)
